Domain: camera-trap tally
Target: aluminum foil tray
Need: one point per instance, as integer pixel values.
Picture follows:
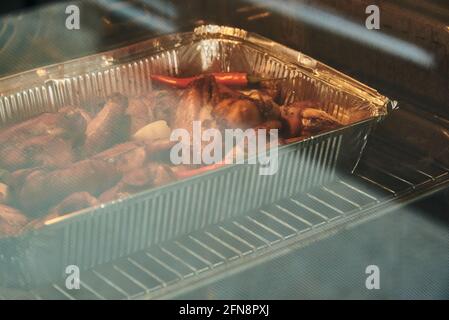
(97, 235)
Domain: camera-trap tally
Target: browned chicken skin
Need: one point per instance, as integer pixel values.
(125, 156)
(149, 175)
(75, 202)
(12, 221)
(238, 113)
(110, 126)
(47, 151)
(5, 193)
(67, 122)
(43, 189)
(304, 118)
(196, 104)
(163, 104)
(140, 113)
(48, 139)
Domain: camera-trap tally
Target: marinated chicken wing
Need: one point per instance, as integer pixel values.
(292, 115)
(17, 178)
(272, 88)
(43, 150)
(237, 113)
(12, 221)
(75, 121)
(75, 202)
(126, 156)
(48, 139)
(196, 104)
(110, 126)
(162, 104)
(268, 108)
(315, 121)
(46, 123)
(43, 189)
(270, 125)
(304, 118)
(140, 113)
(150, 175)
(5, 193)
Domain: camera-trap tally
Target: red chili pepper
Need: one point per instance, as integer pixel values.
(232, 78)
(228, 78)
(172, 81)
(183, 174)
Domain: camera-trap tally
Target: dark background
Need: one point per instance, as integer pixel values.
(16, 5)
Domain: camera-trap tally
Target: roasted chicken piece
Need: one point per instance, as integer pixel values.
(155, 146)
(272, 89)
(16, 179)
(76, 121)
(153, 106)
(5, 193)
(196, 104)
(68, 122)
(75, 202)
(94, 105)
(140, 113)
(150, 175)
(292, 115)
(12, 221)
(268, 108)
(304, 118)
(315, 121)
(43, 189)
(270, 125)
(115, 193)
(162, 104)
(225, 92)
(246, 109)
(109, 127)
(48, 139)
(125, 156)
(45, 150)
(237, 113)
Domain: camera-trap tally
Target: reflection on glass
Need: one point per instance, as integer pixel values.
(342, 26)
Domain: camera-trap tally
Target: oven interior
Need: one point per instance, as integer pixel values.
(406, 159)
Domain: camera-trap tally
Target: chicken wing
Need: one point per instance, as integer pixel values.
(140, 113)
(125, 156)
(196, 104)
(305, 118)
(43, 189)
(12, 221)
(74, 202)
(237, 113)
(150, 175)
(110, 126)
(45, 140)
